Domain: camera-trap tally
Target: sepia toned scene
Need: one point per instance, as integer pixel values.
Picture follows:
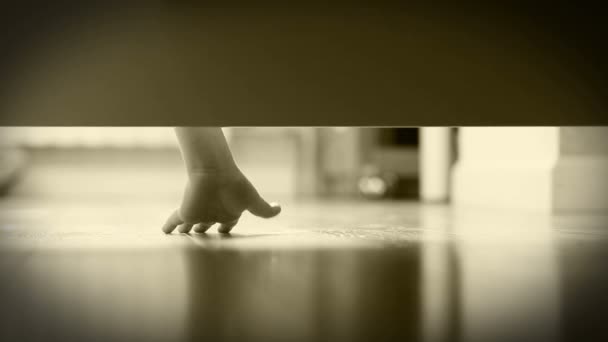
(425, 233)
(300, 171)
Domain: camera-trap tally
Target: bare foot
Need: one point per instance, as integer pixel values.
(217, 197)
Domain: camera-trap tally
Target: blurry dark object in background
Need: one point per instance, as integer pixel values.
(377, 184)
(376, 162)
(12, 163)
(398, 137)
(391, 156)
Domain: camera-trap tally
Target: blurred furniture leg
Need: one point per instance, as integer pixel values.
(580, 177)
(435, 163)
(12, 162)
(546, 169)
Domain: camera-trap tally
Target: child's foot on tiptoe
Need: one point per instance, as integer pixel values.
(217, 197)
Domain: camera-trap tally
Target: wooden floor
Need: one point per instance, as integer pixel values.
(102, 270)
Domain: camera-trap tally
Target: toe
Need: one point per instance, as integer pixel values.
(185, 228)
(172, 222)
(202, 227)
(225, 228)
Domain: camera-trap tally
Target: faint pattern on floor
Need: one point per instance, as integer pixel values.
(335, 270)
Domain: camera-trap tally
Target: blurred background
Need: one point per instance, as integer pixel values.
(284, 162)
(544, 169)
(366, 249)
(351, 65)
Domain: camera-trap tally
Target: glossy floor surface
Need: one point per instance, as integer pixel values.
(331, 271)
